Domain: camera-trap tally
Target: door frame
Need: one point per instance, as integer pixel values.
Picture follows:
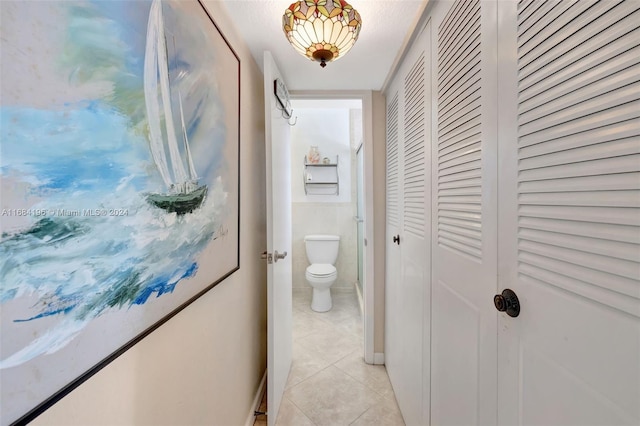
(370, 357)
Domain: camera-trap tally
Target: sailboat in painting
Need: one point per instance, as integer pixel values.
(184, 195)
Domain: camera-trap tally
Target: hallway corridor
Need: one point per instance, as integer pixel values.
(329, 383)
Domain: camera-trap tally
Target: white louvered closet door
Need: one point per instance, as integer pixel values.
(464, 243)
(393, 296)
(416, 228)
(572, 216)
(393, 357)
(408, 215)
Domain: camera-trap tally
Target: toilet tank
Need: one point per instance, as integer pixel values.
(322, 248)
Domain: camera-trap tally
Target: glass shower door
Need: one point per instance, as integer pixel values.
(360, 213)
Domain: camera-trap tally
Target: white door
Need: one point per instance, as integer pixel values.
(278, 180)
(393, 354)
(408, 213)
(416, 227)
(464, 243)
(571, 204)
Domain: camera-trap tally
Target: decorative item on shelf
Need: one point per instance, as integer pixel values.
(326, 160)
(322, 30)
(314, 155)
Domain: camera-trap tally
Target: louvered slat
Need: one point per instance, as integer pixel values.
(591, 198)
(612, 82)
(545, 17)
(414, 146)
(614, 40)
(527, 9)
(586, 75)
(613, 182)
(392, 162)
(465, 178)
(629, 111)
(459, 131)
(622, 130)
(604, 247)
(462, 40)
(579, 151)
(603, 231)
(604, 166)
(597, 215)
(578, 28)
(554, 113)
(617, 148)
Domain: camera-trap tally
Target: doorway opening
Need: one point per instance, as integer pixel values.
(330, 199)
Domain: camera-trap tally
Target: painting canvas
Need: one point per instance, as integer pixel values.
(119, 168)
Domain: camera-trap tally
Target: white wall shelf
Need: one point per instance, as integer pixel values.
(321, 178)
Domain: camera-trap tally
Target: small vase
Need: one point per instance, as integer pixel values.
(314, 155)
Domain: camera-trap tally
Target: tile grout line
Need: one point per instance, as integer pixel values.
(360, 381)
(302, 411)
(346, 322)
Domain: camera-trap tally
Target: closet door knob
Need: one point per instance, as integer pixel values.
(396, 239)
(507, 302)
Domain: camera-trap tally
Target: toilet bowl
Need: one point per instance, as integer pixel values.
(322, 253)
(321, 277)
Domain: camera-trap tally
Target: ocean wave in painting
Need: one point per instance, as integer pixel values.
(90, 241)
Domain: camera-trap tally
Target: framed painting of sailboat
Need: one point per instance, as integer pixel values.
(119, 173)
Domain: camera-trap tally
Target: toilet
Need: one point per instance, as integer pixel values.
(322, 253)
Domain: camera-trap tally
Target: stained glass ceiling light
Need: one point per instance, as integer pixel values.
(322, 30)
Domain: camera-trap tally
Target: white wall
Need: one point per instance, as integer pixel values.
(335, 126)
(328, 128)
(204, 365)
(380, 207)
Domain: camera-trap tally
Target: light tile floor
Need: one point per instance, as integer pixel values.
(329, 383)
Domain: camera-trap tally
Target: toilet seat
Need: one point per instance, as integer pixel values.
(321, 270)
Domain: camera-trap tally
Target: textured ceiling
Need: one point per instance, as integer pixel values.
(385, 24)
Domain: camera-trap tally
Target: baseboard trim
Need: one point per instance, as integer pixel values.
(257, 400)
(378, 358)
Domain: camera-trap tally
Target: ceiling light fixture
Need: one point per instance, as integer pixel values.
(322, 30)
